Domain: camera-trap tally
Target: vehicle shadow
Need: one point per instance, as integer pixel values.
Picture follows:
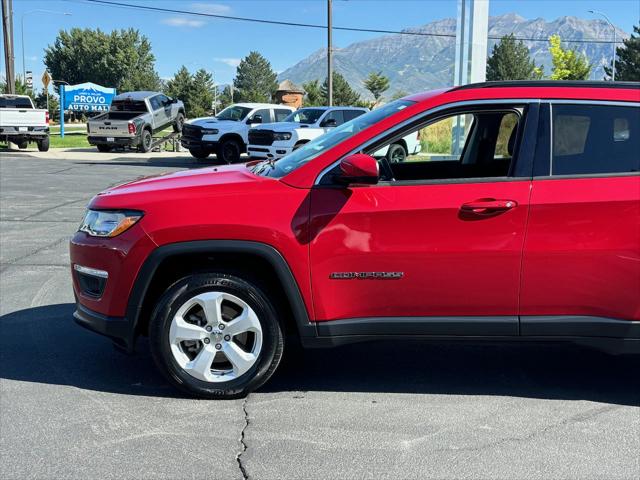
(44, 345)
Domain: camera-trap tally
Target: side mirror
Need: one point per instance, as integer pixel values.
(174, 100)
(330, 122)
(359, 168)
(255, 119)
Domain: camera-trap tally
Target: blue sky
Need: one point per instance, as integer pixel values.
(217, 45)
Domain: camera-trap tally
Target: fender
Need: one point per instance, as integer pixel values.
(235, 136)
(267, 252)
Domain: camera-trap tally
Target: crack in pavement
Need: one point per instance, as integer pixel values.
(32, 252)
(45, 210)
(243, 444)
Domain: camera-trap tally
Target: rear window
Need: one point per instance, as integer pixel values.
(15, 102)
(592, 139)
(128, 106)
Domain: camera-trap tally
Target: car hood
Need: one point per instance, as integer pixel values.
(213, 122)
(175, 185)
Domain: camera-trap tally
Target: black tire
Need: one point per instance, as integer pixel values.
(396, 153)
(43, 145)
(177, 126)
(146, 139)
(199, 153)
(188, 287)
(103, 148)
(229, 151)
(22, 145)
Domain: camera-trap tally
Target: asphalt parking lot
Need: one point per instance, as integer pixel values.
(73, 407)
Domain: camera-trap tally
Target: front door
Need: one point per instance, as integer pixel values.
(436, 246)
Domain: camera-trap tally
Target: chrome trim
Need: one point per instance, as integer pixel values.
(446, 106)
(94, 272)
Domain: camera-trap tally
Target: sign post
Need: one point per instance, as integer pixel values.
(62, 110)
(46, 80)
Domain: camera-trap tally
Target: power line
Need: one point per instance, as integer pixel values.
(317, 26)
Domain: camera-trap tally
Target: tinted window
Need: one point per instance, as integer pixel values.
(351, 114)
(128, 106)
(264, 113)
(590, 139)
(234, 113)
(163, 100)
(15, 102)
(281, 114)
(335, 115)
(306, 116)
(155, 102)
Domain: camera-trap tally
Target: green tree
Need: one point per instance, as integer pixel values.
(377, 84)
(567, 64)
(510, 60)
(255, 80)
(120, 59)
(180, 87)
(40, 101)
(313, 94)
(399, 94)
(225, 97)
(20, 87)
(201, 96)
(343, 94)
(628, 62)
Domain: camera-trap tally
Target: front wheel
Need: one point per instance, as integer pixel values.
(396, 154)
(216, 335)
(199, 153)
(229, 151)
(177, 126)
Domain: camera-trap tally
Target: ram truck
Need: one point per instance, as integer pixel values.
(133, 119)
(21, 123)
(275, 140)
(226, 134)
(523, 229)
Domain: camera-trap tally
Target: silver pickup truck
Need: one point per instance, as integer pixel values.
(21, 123)
(133, 119)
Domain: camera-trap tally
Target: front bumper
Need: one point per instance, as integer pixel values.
(118, 329)
(190, 142)
(272, 152)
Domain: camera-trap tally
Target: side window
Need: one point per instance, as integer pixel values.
(473, 144)
(265, 113)
(281, 114)
(333, 119)
(592, 139)
(351, 114)
(155, 102)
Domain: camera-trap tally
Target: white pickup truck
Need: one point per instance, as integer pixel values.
(226, 133)
(274, 141)
(21, 123)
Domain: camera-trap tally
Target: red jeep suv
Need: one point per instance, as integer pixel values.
(519, 220)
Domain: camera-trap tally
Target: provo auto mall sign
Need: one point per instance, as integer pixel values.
(88, 97)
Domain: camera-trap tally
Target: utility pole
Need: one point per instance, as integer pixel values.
(329, 55)
(7, 28)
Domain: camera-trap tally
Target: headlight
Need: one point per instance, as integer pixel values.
(282, 135)
(104, 223)
(209, 131)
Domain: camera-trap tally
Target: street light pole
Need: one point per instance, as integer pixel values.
(37, 10)
(613, 62)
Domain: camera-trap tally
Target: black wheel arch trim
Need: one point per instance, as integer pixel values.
(267, 252)
(236, 137)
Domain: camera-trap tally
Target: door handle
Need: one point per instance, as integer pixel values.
(487, 206)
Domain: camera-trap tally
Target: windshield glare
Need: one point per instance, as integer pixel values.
(234, 112)
(306, 116)
(314, 148)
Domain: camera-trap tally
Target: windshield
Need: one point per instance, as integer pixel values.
(311, 150)
(306, 116)
(15, 102)
(235, 113)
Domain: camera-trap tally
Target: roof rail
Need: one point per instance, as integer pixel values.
(550, 83)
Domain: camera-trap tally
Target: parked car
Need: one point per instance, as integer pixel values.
(226, 133)
(21, 123)
(274, 141)
(133, 119)
(523, 227)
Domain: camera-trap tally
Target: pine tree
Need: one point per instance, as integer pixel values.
(313, 94)
(180, 87)
(567, 64)
(377, 84)
(201, 95)
(255, 80)
(343, 94)
(510, 60)
(628, 61)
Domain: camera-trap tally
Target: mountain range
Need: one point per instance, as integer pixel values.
(418, 62)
